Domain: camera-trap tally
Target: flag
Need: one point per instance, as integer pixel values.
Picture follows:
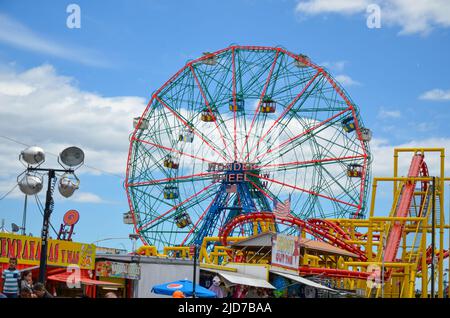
(283, 209)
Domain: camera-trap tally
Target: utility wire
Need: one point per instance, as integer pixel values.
(9, 192)
(41, 210)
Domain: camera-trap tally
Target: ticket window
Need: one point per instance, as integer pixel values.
(119, 290)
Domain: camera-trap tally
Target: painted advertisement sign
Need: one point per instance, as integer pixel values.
(27, 250)
(286, 252)
(118, 270)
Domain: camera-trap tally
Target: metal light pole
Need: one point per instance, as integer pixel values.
(24, 217)
(31, 184)
(49, 204)
(44, 234)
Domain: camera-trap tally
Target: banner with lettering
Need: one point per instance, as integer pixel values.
(27, 249)
(286, 252)
(118, 270)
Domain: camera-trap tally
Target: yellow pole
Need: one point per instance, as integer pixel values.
(405, 287)
(424, 261)
(441, 227)
(374, 191)
(369, 242)
(395, 171)
(412, 284)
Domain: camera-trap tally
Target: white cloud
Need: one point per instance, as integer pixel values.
(346, 80)
(57, 114)
(418, 16)
(15, 89)
(16, 34)
(383, 113)
(425, 126)
(383, 151)
(341, 6)
(86, 197)
(337, 66)
(436, 95)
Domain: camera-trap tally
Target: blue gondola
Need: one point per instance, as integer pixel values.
(348, 124)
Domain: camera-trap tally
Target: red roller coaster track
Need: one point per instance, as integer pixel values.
(332, 233)
(320, 229)
(418, 165)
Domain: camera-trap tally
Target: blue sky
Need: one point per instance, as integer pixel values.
(124, 50)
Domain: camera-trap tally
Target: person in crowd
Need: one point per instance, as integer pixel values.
(252, 293)
(262, 293)
(26, 293)
(40, 291)
(27, 281)
(178, 294)
(111, 295)
(11, 277)
(215, 287)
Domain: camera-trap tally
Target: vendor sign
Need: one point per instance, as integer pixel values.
(27, 249)
(286, 252)
(118, 270)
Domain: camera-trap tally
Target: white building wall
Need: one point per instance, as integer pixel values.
(154, 274)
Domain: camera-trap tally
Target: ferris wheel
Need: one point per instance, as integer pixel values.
(242, 130)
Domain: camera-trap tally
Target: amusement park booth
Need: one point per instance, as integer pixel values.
(121, 272)
(283, 261)
(70, 265)
(137, 274)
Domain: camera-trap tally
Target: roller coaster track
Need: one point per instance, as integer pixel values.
(320, 229)
(333, 234)
(417, 167)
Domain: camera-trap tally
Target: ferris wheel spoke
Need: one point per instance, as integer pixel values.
(339, 184)
(274, 198)
(178, 116)
(174, 208)
(307, 163)
(350, 105)
(210, 110)
(187, 206)
(199, 220)
(330, 146)
(306, 132)
(286, 110)
(181, 153)
(259, 101)
(301, 189)
(333, 143)
(156, 165)
(233, 65)
(294, 114)
(180, 178)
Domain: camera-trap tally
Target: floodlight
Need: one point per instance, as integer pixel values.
(67, 186)
(72, 156)
(30, 184)
(33, 155)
